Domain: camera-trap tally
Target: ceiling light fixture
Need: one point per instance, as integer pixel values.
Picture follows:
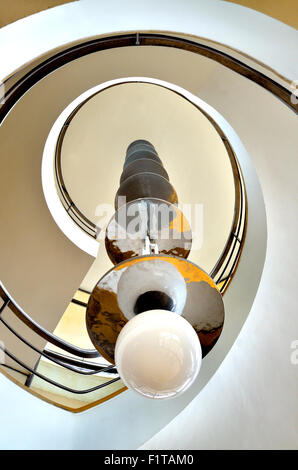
(155, 314)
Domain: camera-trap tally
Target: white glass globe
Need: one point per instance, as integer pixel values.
(158, 354)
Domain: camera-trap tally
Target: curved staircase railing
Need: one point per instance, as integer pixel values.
(226, 266)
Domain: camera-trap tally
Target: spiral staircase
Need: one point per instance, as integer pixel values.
(47, 352)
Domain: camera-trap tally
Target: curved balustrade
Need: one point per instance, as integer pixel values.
(55, 358)
(225, 267)
(42, 332)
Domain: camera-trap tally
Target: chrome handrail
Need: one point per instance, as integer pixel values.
(42, 332)
(53, 382)
(54, 357)
(51, 356)
(78, 364)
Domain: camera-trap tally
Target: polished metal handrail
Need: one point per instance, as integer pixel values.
(225, 268)
(50, 355)
(42, 332)
(78, 364)
(53, 382)
(18, 88)
(54, 358)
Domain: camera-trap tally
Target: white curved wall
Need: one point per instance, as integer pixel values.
(231, 401)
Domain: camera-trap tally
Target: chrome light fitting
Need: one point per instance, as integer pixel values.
(154, 314)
